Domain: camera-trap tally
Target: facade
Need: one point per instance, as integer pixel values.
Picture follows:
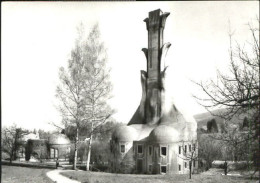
(159, 138)
(59, 146)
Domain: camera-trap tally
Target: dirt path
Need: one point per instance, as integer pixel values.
(55, 176)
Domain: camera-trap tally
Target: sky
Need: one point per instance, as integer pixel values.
(37, 38)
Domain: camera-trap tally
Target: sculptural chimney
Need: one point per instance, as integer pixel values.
(155, 26)
(150, 109)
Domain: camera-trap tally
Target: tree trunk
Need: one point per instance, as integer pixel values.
(76, 150)
(11, 156)
(190, 162)
(89, 153)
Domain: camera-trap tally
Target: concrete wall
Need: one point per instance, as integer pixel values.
(152, 160)
(63, 150)
(122, 162)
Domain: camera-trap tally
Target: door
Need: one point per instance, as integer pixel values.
(139, 165)
(56, 153)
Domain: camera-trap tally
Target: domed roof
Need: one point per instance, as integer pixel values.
(124, 133)
(59, 139)
(164, 134)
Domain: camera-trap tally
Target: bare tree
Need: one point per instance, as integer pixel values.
(238, 92)
(11, 140)
(85, 87)
(233, 140)
(190, 154)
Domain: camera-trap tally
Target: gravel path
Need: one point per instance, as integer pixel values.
(55, 176)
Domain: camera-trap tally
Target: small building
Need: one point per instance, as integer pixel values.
(56, 146)
(59, 146)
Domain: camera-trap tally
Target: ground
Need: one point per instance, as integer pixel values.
(206, 177)
(15, 174)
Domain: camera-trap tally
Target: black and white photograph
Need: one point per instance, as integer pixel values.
(130, 92)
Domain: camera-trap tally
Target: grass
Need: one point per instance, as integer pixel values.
(101, 177)
(14, 174)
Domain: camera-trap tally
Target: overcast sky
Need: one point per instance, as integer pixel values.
(37, 38)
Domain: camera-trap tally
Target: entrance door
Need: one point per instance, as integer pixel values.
(52, 153)
(56, 153)
(139, 165)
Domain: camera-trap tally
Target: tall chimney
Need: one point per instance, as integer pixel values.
(155, 25)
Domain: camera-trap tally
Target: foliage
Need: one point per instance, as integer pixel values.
(37, 149)
(209, 150)
(234, 141)
(11, 140)
(212, 126)
(43, 134)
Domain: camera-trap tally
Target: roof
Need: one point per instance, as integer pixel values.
(58, 139)
(164, 134)
(124, 133)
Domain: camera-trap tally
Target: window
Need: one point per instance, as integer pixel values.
(163, 151)
(150, 150)
(52, 153)
(194, 147)
(190, 147)
(179, 149)
(179, 167)
(56, 154)
(140, 149)
(163, 169)
(185, 165)
(150, 168)
(185, 148)
(122, 148)
(68, 150)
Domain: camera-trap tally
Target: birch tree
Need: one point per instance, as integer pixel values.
(85, 87)
(98, 86)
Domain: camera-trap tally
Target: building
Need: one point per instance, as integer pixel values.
(59, 146)
(159, 138)
(56, 146)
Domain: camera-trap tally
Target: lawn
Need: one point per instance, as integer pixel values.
(15, 174)
(101, 177)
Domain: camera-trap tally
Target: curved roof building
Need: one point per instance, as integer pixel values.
(58, 139)
(159, 137)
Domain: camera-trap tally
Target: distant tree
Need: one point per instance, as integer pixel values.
(104, 132)
(233, 140)
(239, 91)
(11, 140)
(209, 150)
(43, 134)
(212, 126)
(85, 87)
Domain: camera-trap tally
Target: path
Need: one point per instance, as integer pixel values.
(55, 176)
